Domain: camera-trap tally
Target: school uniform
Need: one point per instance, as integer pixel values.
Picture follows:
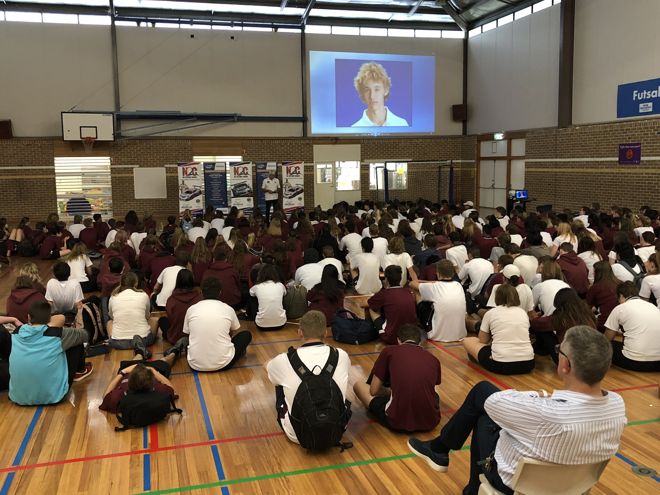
(129, 311)
(575, 272)
(397, 307)
(319, 301)
(20, 300)
(449, 308)
(167, 281)
(228, 278)
(176, 308)
(510, 351)
(63, 296)
(404, 260)
(368, 265)
(544, 295)
(271, 313)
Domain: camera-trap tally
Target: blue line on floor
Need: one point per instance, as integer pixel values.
(209, 432)
(634, 464)
(146, 461)
(21, 450)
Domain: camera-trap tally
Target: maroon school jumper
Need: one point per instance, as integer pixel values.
(20, 300)
(319, 301)
(176, 307)
(161, 261)
(397, 307)
(89, 237)
(50, 244)
(228, 277)
(575, 272)
(602, 295)
(412, 374)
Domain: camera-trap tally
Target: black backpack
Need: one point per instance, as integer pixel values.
(138, 409)
(637, 277)
(92, 320)
(319, 414)
(349, 329)
(425, 311)
(26, 249)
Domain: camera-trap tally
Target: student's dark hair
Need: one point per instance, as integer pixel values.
(512, 249)
(454, 237)
(182, 257)
(116, 264)
(603, 273)
(131, 217)
(570, 311)
(409, 333)
(310, 255)
(586, 243)
(185, 280)
(96, 217)
(431, 241)
(39, 312)
(474, 251)
(648, 237)
(504, 260)
(534, 238)
(219, 254)
(404, 229)
(627, 290)
(393, 274)
(330, 284)
(267, 273)
(367, 244)
(141, 379)
(507, 295)
(445, 269)
(62, 271)
(211, 288)
(129, 280)
(567, 247)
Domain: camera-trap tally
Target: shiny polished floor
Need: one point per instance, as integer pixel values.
(228, 441)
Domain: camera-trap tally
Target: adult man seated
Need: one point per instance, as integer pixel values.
(213, 340)
(581, 424)
(395, 305)
(314, 355)
(639, 322)
(401, 392)
(45, 361)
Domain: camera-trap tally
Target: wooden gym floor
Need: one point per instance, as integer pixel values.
(228, 441)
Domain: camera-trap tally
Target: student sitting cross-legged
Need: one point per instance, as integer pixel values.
(213, 339)
(44, 360)
(401, 393)
(330, 366)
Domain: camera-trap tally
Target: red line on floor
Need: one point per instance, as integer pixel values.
(153, 436)
(636, 387)
(479, 370)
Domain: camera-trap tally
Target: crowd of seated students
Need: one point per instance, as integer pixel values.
(519, 280)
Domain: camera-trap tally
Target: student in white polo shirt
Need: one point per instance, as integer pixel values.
(367, 265)
(309, 274)
(639, 322)
(314, 354)
(477, 270)
(213, 339)
(166, 281)
(269, 292)
(552, 281)
(457, 253)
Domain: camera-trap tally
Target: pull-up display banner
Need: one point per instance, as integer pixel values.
(293, 186)
(215, 185)
(242, 194)
(191, 187)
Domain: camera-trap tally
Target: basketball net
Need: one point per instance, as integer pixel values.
(88, 144)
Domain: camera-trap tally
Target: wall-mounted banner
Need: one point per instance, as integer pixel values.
(638, 99)
(293, 187)
(191, 187)
(263, 169)
(630, 154)
(215, 185)
(242, 195)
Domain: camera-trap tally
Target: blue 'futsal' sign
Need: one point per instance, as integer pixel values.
(638, 99)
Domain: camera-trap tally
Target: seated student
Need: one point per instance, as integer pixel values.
(457, 253)
(328, 259)
(477, 270)
(552, 281)
(161, 260)
(574, 269)
(211, 327)
(650, 289)
(5, 349)
(315, 355)
(431, 243)
(601, 296)
(398, 256)
(586, 421)
(449, 305)
(401, 394)
(588, 253)
(646, 248)
(639, 322)
(137, 236)
(185, 294)
(367, 266)
(511, 276)
(309, 274)
(81, 267)
(131, 325)
(350, 243)
(45, 361)
(76, 227)
(63, 293)
(328, 295)
(269, 291)
(89, 236)
(24, 293)
(503, 345)
(54, 245)
(227, 275)
(200, 259)
(394, 306)
(628, 265)
(380, 243)
(167, 279)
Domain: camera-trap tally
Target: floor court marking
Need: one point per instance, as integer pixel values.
(21, 450)
(633, 464)
(636, 387)
(146, 461)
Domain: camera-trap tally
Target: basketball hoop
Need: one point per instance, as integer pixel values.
(88, 144)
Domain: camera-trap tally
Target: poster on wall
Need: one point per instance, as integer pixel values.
(293, 186)
(242, 195)
(630, 154)
(263, 169)
(191, 187)
(638, 99)
(215, 185)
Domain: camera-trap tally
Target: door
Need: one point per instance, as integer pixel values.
(492, 185)
(324, 188)
(347, 181)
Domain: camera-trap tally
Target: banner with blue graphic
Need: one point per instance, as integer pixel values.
(191, 187)
(242, 195)
(638, 99)
(215, 185)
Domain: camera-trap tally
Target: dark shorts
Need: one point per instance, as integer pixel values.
(503, 368)
(377, 409)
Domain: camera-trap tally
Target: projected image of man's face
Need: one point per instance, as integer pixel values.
(374, 94)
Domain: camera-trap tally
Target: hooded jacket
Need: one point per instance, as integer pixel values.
(20, 300)
(575, 272)
(176, 308)
(228, 277)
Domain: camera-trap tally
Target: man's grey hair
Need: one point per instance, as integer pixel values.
(590, 353)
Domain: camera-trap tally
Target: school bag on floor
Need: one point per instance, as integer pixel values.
(138, 409)
(295, 302)
(319, 414)
(91, 319)
(425, 312)
(349, 329)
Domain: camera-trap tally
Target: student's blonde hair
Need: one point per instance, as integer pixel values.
(372, 71)
(312, 325)
(77, 251)
(30, 270)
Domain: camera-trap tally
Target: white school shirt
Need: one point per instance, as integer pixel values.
(75, 229)
(504, 221)
(314, 357)
(651, 285)
(136, 240)
(565, 428)
(509, 329)
(270, 184)
(271, 310)
(352, 243)
(623, 274)
(226, 232)
(560, 239)
(590, 258)
(336, 263)
(368, 265)
(458, 221)
(78, 266)
(365, 232)
(167, 280)
(638, 231)
(380, 247)
(457, 255)
(110, 238)
(477, 270)
(524, 294)
(403, 260)
(218, 224)
(195, 233)
(544, 294)
(612, 256)
(448, 298)
(63, 295)
(641, 329)
(547, 238)
(309, 275)
(527, 264)
(645, 252)
(391, 120)
(516, 239)
(208, 323)
(129, 311)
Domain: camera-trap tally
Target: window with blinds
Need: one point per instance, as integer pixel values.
(220, 159)
(83, 185)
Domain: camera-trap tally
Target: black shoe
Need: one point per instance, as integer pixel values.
(139, 347)
(438, 461)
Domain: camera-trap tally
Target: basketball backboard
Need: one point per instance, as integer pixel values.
(77, 126)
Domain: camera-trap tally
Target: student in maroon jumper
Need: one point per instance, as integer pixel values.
(574, 269)
(89, 236)
(148, 252)
(110, 280)
(401, 392)
(54, 245)
(328, 295)
(163, 259)
(200, 259)
(108, 254)
(22, 296)
(602, 294)
(395, 306)
(185, 295)
(101, 227)
(225, 272)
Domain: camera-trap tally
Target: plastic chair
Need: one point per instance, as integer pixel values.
(534, 477)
